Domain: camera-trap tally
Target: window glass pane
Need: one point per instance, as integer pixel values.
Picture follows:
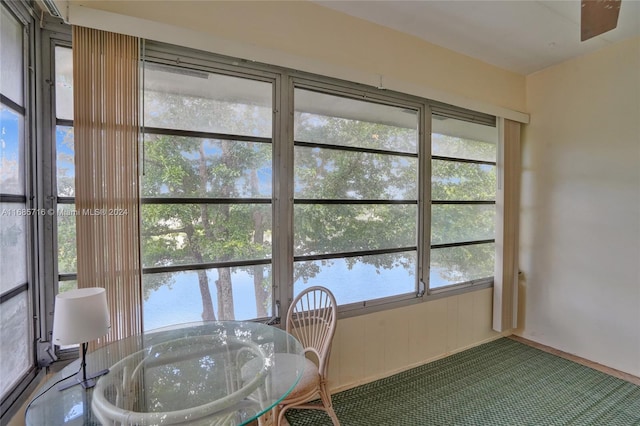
(15, 350)
(180, 98)
(192, 167)
(13, 245)
(462, 181)
(67, 254)
(328, 119)
(222, 294)
(11, 152)
(65, 166)
(175, 234)
(11, 77)
(64, 83)
(351, 175)
(210, 168)
(455, 265)
(362, 278)
(456, 181)
(334, 228)
(327, 173)
(64, 286)
(461, 139)
(461, 223)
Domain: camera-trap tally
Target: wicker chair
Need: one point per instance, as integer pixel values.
(312, 320)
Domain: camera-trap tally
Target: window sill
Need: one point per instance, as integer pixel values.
(457, 289)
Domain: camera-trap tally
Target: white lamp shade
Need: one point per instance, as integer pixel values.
(80, 316)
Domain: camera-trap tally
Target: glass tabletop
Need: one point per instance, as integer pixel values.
(220, 373)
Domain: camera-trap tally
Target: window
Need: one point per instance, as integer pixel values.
(206, 196)
(238, 214)
(17, 210)
(355, 197)
(65, 170)
(463, 198)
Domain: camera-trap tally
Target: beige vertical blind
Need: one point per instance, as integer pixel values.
(505, 285)
(106, 102)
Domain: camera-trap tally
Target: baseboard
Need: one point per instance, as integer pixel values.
(577, 359)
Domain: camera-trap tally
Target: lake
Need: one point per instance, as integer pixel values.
(181, 302)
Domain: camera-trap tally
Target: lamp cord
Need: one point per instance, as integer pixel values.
(47, 390)
(83, 364)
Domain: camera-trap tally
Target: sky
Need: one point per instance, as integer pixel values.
(10, 152)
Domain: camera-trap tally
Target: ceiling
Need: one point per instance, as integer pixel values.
(523, 36)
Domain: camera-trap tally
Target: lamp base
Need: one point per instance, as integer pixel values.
(87, 383)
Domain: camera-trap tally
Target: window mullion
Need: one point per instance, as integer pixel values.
(283, 195)
(424, 197)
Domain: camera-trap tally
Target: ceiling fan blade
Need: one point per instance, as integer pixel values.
(597, 17)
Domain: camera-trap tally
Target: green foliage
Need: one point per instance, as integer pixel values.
(67, 254)
(331, 174)
(64, 286)
(64, 160)
(174, 234)
(189, 167)
(459, 181)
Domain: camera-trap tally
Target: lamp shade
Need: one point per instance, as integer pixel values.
(80, 316)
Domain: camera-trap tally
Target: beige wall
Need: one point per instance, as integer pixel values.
(308, 37)
(580, 222)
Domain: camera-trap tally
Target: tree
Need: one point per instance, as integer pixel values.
(211, 170)
(322, 174)
(205, 168)
(460, 181)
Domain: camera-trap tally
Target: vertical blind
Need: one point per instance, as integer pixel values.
(505, 283)
(106, 103)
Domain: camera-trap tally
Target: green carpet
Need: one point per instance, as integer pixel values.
(503, 382)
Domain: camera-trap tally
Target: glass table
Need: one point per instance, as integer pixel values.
(213, 373)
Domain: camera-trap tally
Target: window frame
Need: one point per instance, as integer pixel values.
(349, 90)
(26, 16)
(156, 54)
(285, 81)
(54, 34)
(480, 283)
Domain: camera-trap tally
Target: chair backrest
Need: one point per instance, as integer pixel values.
(312, 320)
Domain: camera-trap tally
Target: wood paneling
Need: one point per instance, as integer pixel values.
(370, 347)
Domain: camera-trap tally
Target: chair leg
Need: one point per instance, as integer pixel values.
(325, 396)
(261, 420)
(270, 418)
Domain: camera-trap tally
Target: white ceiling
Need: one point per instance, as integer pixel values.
(519, 35)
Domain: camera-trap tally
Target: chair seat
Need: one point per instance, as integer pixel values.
(308, 383)
(281, 373)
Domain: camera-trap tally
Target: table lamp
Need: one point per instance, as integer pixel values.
(80, 316)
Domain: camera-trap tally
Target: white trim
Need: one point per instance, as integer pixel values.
(123, 24)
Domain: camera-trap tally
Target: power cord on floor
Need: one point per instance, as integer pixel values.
(47, 390)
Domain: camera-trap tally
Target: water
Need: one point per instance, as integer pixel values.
(183, 303)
